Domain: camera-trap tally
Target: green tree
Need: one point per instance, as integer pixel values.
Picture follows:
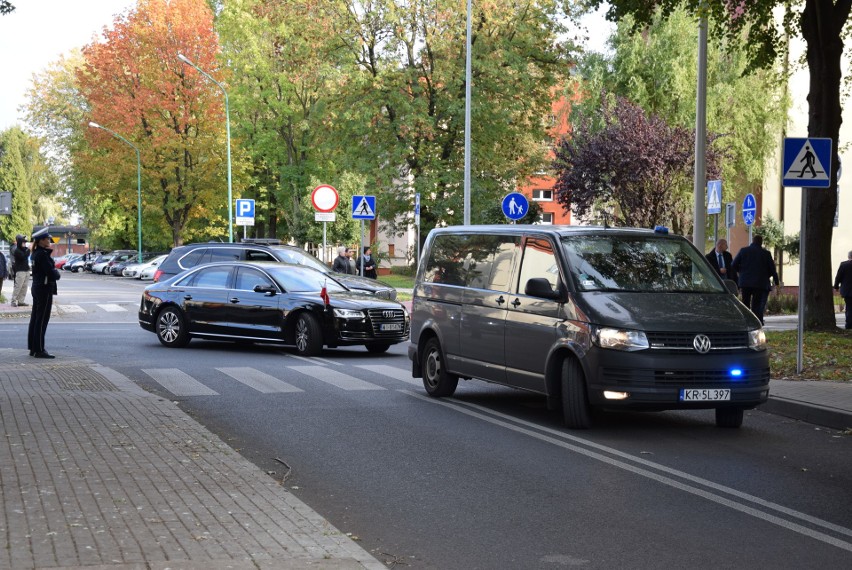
(6, 7)
(14, 178)
(824, 25)
(655, 69)
(400, 113)
(284, 73)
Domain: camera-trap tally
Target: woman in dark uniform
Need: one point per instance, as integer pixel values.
(43, 289)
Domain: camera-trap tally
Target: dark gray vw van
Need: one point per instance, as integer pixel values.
(591, 317)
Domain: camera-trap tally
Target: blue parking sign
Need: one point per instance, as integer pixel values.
(245, 212)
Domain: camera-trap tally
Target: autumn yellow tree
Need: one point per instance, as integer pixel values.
(135, 85)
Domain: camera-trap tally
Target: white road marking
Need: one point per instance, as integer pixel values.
(260, 381)
(112, 308)
(179, 383)
(335, 378)
(391, 372)
(503, 420)
(70, 309)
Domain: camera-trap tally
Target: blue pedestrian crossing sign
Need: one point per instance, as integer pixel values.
(749, 209)
(363, 207)
(515, 206)
(714, 197)
(807, 162)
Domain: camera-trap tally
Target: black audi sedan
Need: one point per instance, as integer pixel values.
(269, 302)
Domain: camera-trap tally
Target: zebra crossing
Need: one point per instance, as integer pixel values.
(105, 307)
(299, 377)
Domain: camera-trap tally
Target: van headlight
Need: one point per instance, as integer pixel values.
(348, 314)
(757, 339)
(620, 339)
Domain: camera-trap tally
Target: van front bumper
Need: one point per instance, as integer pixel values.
(649, 380)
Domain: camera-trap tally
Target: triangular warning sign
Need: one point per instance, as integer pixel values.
(363, 208)
(806, 165)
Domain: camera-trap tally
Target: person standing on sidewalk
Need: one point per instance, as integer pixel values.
(45, 276)
(755, 266)
(341, 262)
(4, 271)
(720, 258)
(843, 283)
(21, 270)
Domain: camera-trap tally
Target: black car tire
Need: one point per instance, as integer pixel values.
(171, 328)
(307, 335)
(576, 412)
(729, 417)
(377, 347)
(436, 380)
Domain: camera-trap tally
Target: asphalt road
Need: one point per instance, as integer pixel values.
(489, 478)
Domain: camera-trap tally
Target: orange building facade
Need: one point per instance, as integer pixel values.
(539, 188)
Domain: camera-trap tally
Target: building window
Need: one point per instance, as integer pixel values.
(547, 218)
(542, 195)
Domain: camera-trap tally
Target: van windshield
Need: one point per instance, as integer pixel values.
(639, 263)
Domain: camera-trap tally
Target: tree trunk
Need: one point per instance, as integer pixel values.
(822, 23)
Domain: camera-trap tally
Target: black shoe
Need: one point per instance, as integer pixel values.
(32, 353)
(43, 354)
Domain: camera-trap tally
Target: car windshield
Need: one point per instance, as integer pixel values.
(298, 257)
(643, 263)
(302, 279)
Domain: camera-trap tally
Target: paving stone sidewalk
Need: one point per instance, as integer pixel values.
(96, 473)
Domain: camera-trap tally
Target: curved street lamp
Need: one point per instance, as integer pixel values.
(138, 187)
(186, 60)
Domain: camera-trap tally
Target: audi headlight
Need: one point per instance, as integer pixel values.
(348, 314)
(621, 339)
(757, 339)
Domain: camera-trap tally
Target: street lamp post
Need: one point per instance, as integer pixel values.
(138, 187)
(186, 60)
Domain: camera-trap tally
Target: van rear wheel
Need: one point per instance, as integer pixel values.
(729, 417)
(576, 412)
(437, 381)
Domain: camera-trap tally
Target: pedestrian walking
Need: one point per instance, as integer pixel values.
(21, 271)
(721, 260)
(341, 262)
(843, 283)
(754, 267)
(368, 264)
(45, 276)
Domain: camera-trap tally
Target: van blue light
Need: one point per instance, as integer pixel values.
(661, 230)
(736, 372)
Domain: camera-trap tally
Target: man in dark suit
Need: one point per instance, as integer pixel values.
(754, 266)
(843, 282)
(721, 260)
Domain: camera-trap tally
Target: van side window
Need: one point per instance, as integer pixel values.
(479, 261)
(539, 261)
(257, 255)
(192, 258)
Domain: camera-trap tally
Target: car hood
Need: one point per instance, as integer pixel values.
(349, 300)
(358, 282)
(676, 312)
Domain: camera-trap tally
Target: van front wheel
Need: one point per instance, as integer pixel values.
(437, 381)
(576, 412)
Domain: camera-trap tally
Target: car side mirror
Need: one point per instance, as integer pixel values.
(732, 286)
(269, 290)
(540, 287)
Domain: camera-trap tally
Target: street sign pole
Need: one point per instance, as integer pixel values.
(324, 224)
(360, 253)
(801, 328)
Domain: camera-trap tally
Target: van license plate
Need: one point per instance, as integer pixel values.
(705, 394)
(390, 327)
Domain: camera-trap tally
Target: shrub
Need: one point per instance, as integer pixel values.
(406, 270)
(782, 304)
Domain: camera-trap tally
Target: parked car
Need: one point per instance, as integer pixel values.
(188, 256)
(589, 317)
(62, 260)
(133, 270)
(146, 273)
(269, 302)
(105, 266)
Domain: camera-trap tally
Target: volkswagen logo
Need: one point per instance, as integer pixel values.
(701, 343)
(390, 314)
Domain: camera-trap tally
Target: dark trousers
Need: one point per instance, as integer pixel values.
(42, 304)
(755, 299)
(848, 301)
